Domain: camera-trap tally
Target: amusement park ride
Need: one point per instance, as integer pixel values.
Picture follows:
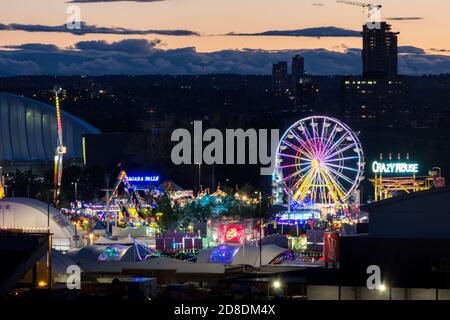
(129, 205)
(319, 164)
(60, 150)
(387, 185)
(2, 184)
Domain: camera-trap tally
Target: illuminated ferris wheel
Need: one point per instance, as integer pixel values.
(319, 161)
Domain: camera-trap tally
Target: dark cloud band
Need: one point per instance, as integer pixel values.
(139, 56)
(99, 1)
(88, 29)
(308, 32)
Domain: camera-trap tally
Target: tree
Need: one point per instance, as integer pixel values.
(170, 215)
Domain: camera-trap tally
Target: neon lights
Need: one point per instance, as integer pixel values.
(395, 167)
(298, 216)
(148, 179)
(112, 253)
(319, 161)
(223, 254)
(232, 233)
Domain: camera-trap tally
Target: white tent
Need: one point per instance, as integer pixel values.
(247, 255)
(124, 241)
(159, 263)
(60, 263)
(32, 214)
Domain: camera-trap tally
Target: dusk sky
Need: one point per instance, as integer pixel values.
(212, 19)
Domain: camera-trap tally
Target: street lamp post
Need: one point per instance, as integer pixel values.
(199, 176)
(75, 186)
(49, 252)
(260, 232)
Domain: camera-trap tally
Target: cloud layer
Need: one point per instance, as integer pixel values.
(86, 29)
(308, 32)
(139, 56)
(96, 1)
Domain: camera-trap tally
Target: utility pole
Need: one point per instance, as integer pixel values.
(108, 201)
(200, 176)
(260, 232)
(212, 175)
(49, 249)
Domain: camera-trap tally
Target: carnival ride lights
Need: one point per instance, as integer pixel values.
(395, 167)
(60, 150)
(131, 210)
(318, 160)
(285, 256)
(388, 187)
(232, 233)
(113, 253)
(223, 254)
(298, 217)
(143, 252)
(2, 184)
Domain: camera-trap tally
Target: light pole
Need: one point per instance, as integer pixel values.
(49, 252)
(199, 176)
(28, 187)
(75, 185)
(260, 231)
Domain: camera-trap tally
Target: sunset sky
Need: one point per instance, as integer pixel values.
(212, 19)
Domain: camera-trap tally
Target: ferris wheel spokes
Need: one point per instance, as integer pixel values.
(339, 159)
(295, 174)
(340, 175)
(339, 151)
(318, 158)
(329, 139)
(335, 145)
(342, 167)
(298, 149)
(307, 147)
(308, 137)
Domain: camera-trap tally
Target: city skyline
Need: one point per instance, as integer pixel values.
(204, 30)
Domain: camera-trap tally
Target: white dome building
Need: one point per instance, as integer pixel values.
(31, 214)
(28, 131)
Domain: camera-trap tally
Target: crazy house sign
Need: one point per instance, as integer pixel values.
(403, 168)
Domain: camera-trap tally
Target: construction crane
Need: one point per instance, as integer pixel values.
(371, 8)
(60, 150)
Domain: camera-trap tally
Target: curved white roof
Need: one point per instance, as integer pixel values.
(32, 214)
(28, 130)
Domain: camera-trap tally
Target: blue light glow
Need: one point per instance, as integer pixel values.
(223, 254)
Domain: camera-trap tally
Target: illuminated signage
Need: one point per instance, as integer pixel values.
(143, 179)
(395, 167)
